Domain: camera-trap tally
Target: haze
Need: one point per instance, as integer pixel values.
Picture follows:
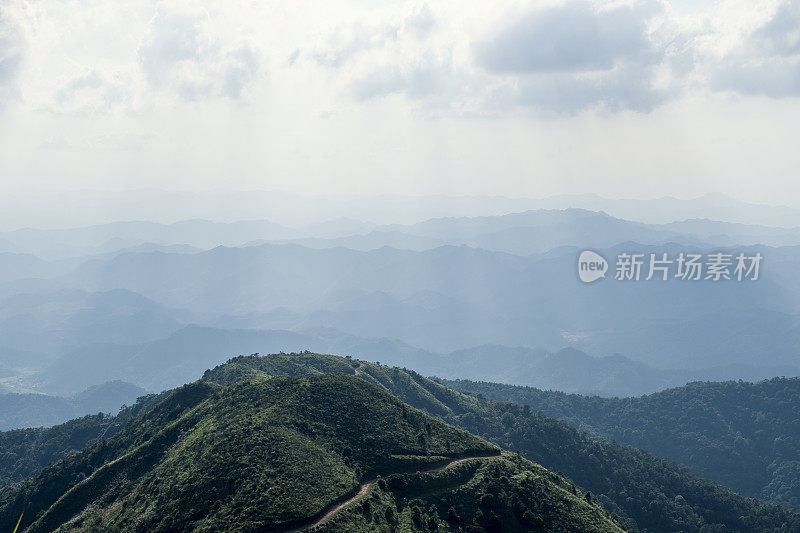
(403, 97)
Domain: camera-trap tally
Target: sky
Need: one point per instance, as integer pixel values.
(528, 99)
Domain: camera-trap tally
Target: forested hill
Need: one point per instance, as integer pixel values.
(743, 435)
(653, 493)
(647, 492)
(284, 453)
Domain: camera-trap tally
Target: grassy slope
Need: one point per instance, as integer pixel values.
(258, 454)
(506, 493)
(653, 493)
(743, 435)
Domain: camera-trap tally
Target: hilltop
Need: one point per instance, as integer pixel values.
(650, 492)
(277, 454)
(646, 492)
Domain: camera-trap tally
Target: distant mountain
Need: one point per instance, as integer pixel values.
(522, 233)
(742, 435)
(164, 363)
(538, 231)
(729, 233)
(441, 299)
(15, 266)
(526, 233)
(571, 370)
(146, 247)
(38, 410)
(182, 357)
(13, 361)
(715, 206)
(370, 241)
(105, 238)
(107, 397)
(55, 321)
(473, 296)
(83, 208)
(276, 454)
(337, 228)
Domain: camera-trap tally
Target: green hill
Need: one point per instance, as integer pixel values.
(275, 454)
(652, 493)
(743, 435)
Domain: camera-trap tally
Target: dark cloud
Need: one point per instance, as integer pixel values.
(576, 56)
(781, 35)
(773, 78)
(563, 94)
(568, 38)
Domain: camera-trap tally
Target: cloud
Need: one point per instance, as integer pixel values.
(427, 76)
(12, 52)
(561, 59)
(781, 35)
(571, 37)
(347, 42)
(184, 53)
(767, 63)
(91, 92)
(623, 89)
(421, 22)
(571, 57)
(395, 53)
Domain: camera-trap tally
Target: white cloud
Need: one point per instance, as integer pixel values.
(570, 37)
(12, 51)
(530, 94)
(92, 92)
(561, 59)
(184, 53)
(575, 56)
(767, 61)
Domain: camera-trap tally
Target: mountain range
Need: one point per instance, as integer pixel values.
(288, 453)
(438, 310)
(304, 436)
(743, 435)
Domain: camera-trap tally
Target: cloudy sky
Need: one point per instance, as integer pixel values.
(624, 99)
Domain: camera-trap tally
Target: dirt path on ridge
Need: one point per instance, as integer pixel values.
(366, 488)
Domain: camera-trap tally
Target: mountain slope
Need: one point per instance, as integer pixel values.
(653, 493)
(264, 455)
(743, 435)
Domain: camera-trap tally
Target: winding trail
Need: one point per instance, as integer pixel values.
(366, 488)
